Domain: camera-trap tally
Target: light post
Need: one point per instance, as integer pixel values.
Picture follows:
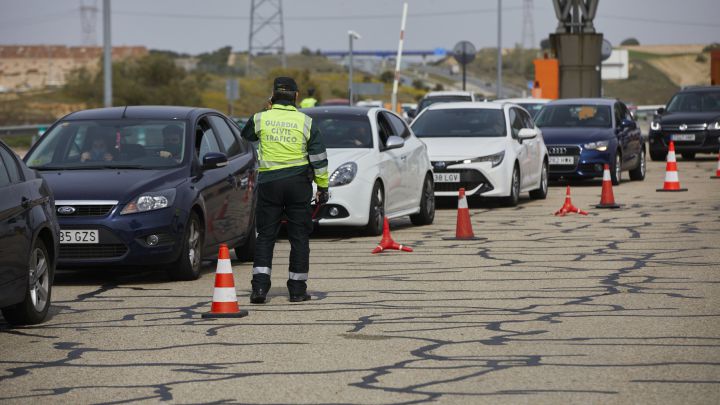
(107, 56)
(352, 35)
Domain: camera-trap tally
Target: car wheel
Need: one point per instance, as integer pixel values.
(638, 173)
(426, 216)
(187, 267)
(377, 211)
(616, 169)
(658, 156)
(688, 155)
(246, 251)
(512, 199)
(541, 192)
(34, 308)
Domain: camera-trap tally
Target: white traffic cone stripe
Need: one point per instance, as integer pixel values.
(671, 157)
(606, 175)
(462, 203)
(224, 266)
(224, 294)
(672, 177)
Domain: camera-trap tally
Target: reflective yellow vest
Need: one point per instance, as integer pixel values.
(308, 102)
(283, 133)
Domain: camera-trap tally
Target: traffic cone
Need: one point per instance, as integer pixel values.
(717, 172)
(463, 226)
(568, 207)
(224, 304)
(607, 198)
(672, 181)
(387, 243)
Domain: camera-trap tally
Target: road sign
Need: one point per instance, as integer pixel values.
(364, 89)
(232, 89)
(606, 49)
(464, 52)
(440, 51)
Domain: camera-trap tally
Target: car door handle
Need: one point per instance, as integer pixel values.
(244, 182)
(25, 202)
(231, 179)
(403, 157)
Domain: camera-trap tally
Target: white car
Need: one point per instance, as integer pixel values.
(377, 168)
(489, 149)
(445, 96)
(532, 105)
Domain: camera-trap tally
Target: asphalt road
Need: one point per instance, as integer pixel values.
(621, 306)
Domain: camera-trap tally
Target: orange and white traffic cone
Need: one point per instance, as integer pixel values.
(607, 198)
(672, 180)
(463, 227)
(224, 304)
(717, 172)
(568, 206)
(387, 242)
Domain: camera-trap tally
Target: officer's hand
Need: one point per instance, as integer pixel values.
(322, 197)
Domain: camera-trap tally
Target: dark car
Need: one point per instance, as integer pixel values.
(691, 120)
(582, 135)
(149, 186)
(28, 241)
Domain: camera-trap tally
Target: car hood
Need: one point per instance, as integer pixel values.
(689, 117)
(339, 156)
(440, 148)
(570, 136)
(121, 184)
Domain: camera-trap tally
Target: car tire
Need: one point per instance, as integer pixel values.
(541, 192)
(688, 155)
(616, 169)
(376, 215)
(246, 251)
(638, 173)
(34, 307)
(658, 156)
(426, 216)
(514, 197)
(187, 266)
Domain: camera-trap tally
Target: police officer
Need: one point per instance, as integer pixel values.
(290, 154)
(309, 101)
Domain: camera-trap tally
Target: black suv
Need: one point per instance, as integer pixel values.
(691, 119)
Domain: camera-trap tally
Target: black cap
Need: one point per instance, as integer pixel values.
(284, 84)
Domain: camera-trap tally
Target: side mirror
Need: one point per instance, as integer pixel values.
(628, 124)
(412, 113)
(527, 133)
(394, 142)
(213, 160)
(660, 111)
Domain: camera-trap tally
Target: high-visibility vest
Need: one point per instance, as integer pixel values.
(308, 102)
(283, 133)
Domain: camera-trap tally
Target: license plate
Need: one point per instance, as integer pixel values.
(683, 137)
(447, 177)
(562, 160)
(80, 236)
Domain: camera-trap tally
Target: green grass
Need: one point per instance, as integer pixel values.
(645, 85)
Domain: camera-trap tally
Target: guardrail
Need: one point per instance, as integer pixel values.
(33, 129)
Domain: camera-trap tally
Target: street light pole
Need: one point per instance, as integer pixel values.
(351, 35)
(107, 55)
(499, 51)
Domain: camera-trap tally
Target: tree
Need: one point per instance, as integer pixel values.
(715, 46)
(387, 76)
(216, 61)
(305, 51)
(630, 42)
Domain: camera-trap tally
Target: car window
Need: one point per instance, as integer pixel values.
(205, 140)
(516, 122)
(4, 178)
(398, 126)
(460, 123)
(343, 130)
(11, 165)
(618, 114)
(526, 119)
(229, 142)
(384, 129)
(575, 115)
(244, 144)
(626, 114)
(695, 101)
(427, 102)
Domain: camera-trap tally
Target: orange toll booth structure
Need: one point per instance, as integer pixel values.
(547, 78)
(715, 68)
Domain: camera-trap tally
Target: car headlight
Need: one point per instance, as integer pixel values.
(496, 159)
(599, 145)
(151, 201)
(655, 125)
(343, 175)
(715, 126)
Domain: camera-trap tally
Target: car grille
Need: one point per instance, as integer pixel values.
(690, 127)
(564, 150)
(469, 180)
(101, 251)
(86, 210)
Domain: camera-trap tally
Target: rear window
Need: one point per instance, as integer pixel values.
(460, 122)
(575, 115)
(532, 108)
(344, 131)
(695, 102)
(427, 102)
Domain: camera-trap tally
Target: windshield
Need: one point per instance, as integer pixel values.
(532, 108)
(106, 144)
(575, 115)
(695, 102)
(460, 122)
(344, 130)
(427, 102)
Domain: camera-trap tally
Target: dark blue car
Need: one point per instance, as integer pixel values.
(582, 135)
(149, 186)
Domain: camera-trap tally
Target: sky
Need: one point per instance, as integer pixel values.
(195, 26)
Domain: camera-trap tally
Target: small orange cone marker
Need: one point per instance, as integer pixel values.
(463, 226)
(224, 304)
(387, 243)
(568, 207)
(672, 181)
(607, 198)
(717, 172)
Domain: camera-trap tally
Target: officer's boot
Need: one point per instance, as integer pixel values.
(260, 287)
(297, 290)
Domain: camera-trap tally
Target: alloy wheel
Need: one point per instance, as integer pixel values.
(39, 279)
(193, 245)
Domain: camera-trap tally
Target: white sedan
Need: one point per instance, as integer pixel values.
(490, 149)
(378, 168)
